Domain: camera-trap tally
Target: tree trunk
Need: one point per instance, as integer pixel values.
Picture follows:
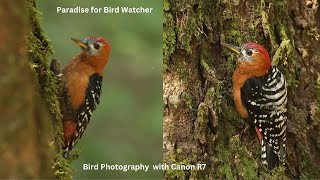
(200, 122)
(30, 117)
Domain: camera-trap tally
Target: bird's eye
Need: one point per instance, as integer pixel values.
(249, 52)
(96, 46)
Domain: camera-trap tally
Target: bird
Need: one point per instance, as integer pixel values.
(81, 82)
(260, 95)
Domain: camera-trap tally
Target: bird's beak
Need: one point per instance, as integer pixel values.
(235, 49)
(80, 43)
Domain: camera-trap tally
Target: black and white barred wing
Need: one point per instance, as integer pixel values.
(92, 99)
(265, 99)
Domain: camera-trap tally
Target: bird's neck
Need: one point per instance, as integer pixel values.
(247, 70)
(96, 62)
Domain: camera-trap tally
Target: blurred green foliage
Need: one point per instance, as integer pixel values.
(126, 128)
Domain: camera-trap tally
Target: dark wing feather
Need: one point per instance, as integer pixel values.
(260, 108)
(92, 99)
(265, 99)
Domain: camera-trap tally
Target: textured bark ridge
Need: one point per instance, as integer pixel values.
(200, 121)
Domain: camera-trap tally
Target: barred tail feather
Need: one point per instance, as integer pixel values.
(67, 149)
(269, 158)
(283, 151)
(66, 152)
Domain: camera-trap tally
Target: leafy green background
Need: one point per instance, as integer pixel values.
(126, 128)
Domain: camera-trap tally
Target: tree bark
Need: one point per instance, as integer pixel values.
(24, 142)
(30, 123)
(200, 121)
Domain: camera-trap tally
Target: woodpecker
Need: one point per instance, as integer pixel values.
(81, 82)
(260, 95)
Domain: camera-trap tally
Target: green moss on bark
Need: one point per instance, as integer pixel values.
(40, 51)
(201, 123)
(178, 159)
(235, 161)
(168, 35)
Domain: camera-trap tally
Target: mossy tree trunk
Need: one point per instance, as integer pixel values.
(30, 138)
(200, 122)
(24, 140)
